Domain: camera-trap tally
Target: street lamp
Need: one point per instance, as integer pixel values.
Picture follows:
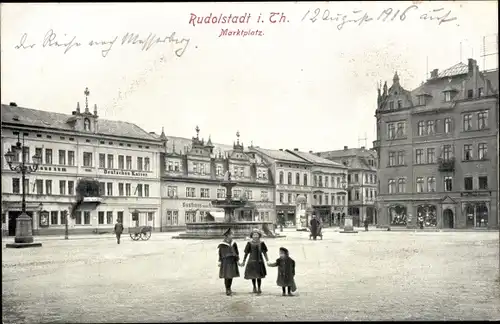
(348, 226)
(24, 233)
(66, 229)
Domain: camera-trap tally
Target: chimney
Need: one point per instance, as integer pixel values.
(362, 147)
(13, 104)
(310, 152)
(296, 149)
(345, 148)
(472, 66)
(281, 149)
(434, 73)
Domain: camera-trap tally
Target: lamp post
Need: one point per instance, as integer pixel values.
(24, 233)
(66, 229)
(348, 226)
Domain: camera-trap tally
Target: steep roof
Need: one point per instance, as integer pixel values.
(313, 158)
(457, 69)
(182, 143)
(348, 152)
(53, 120)
(280, 155)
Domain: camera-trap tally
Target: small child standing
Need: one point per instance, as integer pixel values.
(286, 272)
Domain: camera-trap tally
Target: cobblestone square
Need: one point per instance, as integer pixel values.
(372, 275)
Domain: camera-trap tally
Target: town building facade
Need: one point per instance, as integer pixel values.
(292, 178)
(329, 195)
(121, 156)
(361, 181)
(437, 149)
(193, 171)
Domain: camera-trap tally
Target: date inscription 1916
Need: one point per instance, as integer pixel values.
(358, 17)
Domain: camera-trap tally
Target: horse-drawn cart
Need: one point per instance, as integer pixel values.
(140, 233)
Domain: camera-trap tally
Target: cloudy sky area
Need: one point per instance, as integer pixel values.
(301, 85)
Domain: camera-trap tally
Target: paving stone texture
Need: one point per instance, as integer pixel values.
(366, 276)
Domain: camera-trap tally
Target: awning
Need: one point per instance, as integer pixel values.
(218, 216)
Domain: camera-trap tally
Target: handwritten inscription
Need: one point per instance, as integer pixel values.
(53, 40)
(359, 17)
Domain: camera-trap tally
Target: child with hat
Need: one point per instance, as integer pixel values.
(228, 260)
(286, 272)
(256, 252)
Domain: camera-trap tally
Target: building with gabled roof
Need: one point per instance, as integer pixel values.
(191, 178)
(438, 152)
(361, 181)
(329, 196)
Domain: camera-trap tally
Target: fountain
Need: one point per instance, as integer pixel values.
(215, 230)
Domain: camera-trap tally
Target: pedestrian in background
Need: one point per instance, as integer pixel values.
(228, 260)
(118, 230)
(366, 224)
(286, 272)
(256, 251)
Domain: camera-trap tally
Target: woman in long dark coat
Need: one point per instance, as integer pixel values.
(228, 260)
(315, 225)
(256, 268)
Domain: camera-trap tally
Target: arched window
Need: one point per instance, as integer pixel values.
(86, 124)
(398, 215)
(305, 179)
(289, 178)
(281, 177)
(297, 179)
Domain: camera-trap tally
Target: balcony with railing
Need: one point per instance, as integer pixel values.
(446, 165)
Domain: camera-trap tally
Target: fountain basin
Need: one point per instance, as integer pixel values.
(215, 230)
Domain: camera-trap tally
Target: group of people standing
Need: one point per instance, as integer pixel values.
(254, 260)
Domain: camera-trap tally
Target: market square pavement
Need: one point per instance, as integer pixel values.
(373, 275)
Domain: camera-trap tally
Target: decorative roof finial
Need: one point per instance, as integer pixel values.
(86, 93)
(238, 137)
(396, 77)
(78, 107)
(95, 109)
(173, 147)
(197, 129)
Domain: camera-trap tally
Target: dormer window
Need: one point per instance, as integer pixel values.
(400, 104)
(421, 100)
(480, 92)
(447, 96)
(470, 94)
(449, 92)
(86, 125)
(391, 105)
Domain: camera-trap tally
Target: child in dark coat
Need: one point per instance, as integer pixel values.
(286, 272)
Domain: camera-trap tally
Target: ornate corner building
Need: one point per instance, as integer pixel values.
(192, 171)
(437, 150)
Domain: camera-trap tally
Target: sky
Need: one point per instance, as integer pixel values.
(308, 82)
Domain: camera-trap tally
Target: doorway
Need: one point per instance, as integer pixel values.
(13, 215)
(448, 220)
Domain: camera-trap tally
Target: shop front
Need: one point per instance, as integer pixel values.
(337, 212)
(179, 212)
(476, 213)
(286, 215)
(324, 213)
